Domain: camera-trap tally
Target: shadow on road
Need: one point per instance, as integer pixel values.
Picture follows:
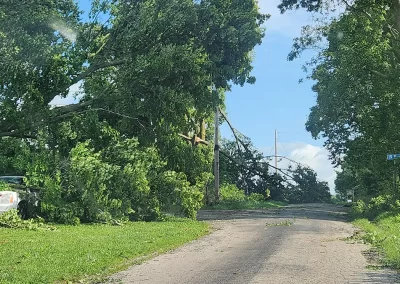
(382, 276)
(318, 211)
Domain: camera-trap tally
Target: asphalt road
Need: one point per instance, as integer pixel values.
(297, 244)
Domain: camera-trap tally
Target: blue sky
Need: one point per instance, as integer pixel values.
(277, 100)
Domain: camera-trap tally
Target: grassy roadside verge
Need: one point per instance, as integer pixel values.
(384, 233)
(244, 205)
(73, 253)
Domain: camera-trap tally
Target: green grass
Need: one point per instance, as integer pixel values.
(245, 205)
(385, 235)
(74, 253)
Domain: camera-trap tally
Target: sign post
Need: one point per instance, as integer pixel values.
(393, 157)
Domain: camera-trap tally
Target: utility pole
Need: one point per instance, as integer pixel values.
(216, 154)
(276, 152)
(395, 177)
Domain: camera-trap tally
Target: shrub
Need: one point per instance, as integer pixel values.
(257, 197)
(267, 193)
(120, 181)
(230, 192)
(359, 207)
(11, 219)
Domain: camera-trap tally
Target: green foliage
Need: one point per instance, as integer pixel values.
(357, 93)
(253, 167)
(336, 200)
(359, 207)
(189, 45)
(376, 207)
(79, 253)
(84, 156)
(380, 203)
(384, 234)
(4, 186)
(176, 193)
(306, 187)
(230, 192)
(121, 181)
(11, 219)
(258, 183)
(256, 197)
(357, 108)
(232, 197)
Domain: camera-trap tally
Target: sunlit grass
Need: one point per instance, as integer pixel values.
(73, 253)
(384, 234)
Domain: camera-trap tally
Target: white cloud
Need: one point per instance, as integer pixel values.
(73, 96)
(316, 157)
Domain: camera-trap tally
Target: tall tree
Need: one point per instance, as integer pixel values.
(152, 60)
(148, 73)
(357, 89)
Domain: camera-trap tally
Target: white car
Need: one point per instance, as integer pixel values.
(8, 200)
(25, 200)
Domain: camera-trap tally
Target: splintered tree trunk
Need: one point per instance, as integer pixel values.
(202, 133)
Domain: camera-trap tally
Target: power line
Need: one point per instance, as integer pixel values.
(240, 142)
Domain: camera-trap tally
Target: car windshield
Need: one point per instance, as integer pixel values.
(12, 179)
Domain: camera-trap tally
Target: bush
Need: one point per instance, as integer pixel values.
(120, 181)
(230, 192)
(359, 207)
(4, 186)
(382, 205)
(267, 193)
(257, 197)
(384, 233)
(11, 219)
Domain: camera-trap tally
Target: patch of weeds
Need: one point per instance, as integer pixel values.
(11, 220)
(283, 223)
(356, 238)
(384, 235)
(374, 267)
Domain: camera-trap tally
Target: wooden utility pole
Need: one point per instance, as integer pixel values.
(276, 152)
(216, 154)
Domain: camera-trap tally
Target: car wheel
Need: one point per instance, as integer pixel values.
(23, 210)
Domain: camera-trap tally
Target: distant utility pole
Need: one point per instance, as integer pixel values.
(216, 154)
(216, 146)
(276, 151)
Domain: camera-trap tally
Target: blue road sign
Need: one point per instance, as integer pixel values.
(393, 156)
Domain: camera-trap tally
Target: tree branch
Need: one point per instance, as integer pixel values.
(379, 74)
(258, 170)
(232, 129)
(86, 74)
(17, 134)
